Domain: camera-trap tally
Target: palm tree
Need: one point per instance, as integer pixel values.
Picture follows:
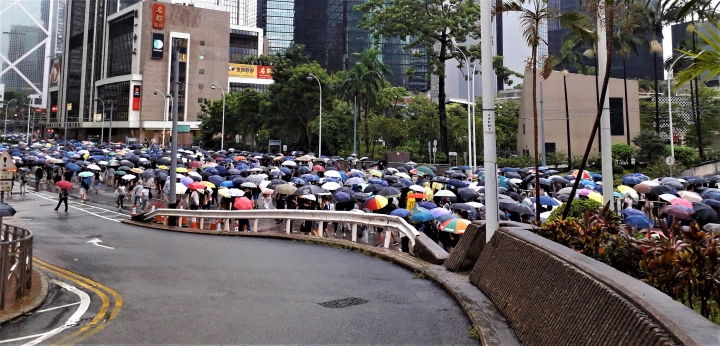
(530, 20)
(365, 80)
(627, 39)
(570, 58)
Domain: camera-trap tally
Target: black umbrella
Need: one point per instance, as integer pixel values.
(462, 206)
(390, 178)
(372, 188)
(124, 168)
(6, 210)
(458, 176)
(468, 194)
(696, 181)
(705, 214)
(389, 192)
(310, 190)
(456, 183)
(398, 186)
(441, 180)
(711, 202)
(512, 175)
(560, 180)
(164, 161)
(512, 194)
(303, 170)
(659, 190)
(516, 207)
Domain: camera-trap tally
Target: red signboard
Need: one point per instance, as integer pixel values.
(158, 16)
(136, 98)
(54, 109)
(264, 72)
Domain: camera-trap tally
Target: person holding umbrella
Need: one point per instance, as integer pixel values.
(120, 196)
(63, 194)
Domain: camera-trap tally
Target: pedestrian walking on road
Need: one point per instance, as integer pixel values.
(137, 194)
(63, 197)
(38, 177)
(97, 180)
(109, 176)
(120, 196)
(23, 182)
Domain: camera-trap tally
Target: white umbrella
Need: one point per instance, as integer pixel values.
(236, 192)
(179, 188)
(650, 183)
(264, 184)
(93, 167)
(690, 196)
(128, 177)
(444, 193)
(667, 197)
(102, 163)
(257, 179)
(194, 174)
(256, 169)
(331, 186)
(249, 184)
(417, 188)
(475, 205)
(289, 164)
(309, 197)
(335, 174)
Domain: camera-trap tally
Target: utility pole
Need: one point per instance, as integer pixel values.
(173, 131)
(110, 130)
(605, 134)
(488, 103)
(542, 125)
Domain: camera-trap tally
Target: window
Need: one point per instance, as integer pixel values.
(119, 57)
(201, 85)
(201, 100)
(202, 57)
(523, 128)
(549, 148)
(202, 71)
(617, 124)
(202, 43)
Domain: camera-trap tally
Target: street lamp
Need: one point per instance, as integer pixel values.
(474, 135)
(29, 119)
(310, 77)
(102, 120)
(165, 98)
(670, 123)
(7, 107)
(222, 137)
(467, 63)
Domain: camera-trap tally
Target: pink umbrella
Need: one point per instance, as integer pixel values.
(584, 192)
(243, 203)
(682, 202)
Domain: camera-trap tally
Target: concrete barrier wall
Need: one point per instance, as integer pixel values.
(707, 169)
(552, 295)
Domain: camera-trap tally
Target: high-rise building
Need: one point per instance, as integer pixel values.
(638, 66)
(27, 41)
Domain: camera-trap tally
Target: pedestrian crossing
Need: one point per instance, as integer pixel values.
(100, 212)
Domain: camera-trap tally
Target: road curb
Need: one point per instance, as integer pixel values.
(491, 326)
(10, 315)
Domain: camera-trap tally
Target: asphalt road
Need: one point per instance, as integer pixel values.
(198, 289)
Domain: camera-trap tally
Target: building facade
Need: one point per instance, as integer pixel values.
(581, 98)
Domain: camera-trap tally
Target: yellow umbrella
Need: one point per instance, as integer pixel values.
(224, 193)
(595, 196)
(402, 175)
(136, 170)
(181, 170)
(163, 167)
(208, 184)
(375, 173)
(627, 190)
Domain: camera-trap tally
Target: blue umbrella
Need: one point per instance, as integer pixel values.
(73, 167)
(631, 180)
(221, 170)
(427, 205)
(216, 179)
(638, 221)
(298, 181)
(285, 170)
(211, 170)
(356, 175)
(227, 183)
(311, 178)
(399, 212)
(633, 212)
(343, 197)
(465, 168)
(422, 217)
(586, 182)
(545, 200)
(303, 169)
(375, 181)
(711, 202)
(406, 182)
(507, 169)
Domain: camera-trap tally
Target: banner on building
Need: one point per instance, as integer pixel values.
(158, 16)
(158, 45)
(136, 98)
(250, 71)
(55, 72)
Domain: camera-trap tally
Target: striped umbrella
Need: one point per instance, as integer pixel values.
(376, 202)
(456, 226)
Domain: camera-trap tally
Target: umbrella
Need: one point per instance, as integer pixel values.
(659, 190)
(128, 177)
(249, 185)
(331, 186)
(6, 210)
(64, 184)
(631, 180)
(584, 175)
(236, 192)
(400, 212)
(388, 192)
(456, 226)
(561, 180)
(632, 212)
(444, 218)
(439, 212)
(679, 211)
(705, 214)
(355, 181)
(85, 174)
(196, 186)
(642, 188)
(545, 200)
(243, 203)
(93, 167)
(344, 197)
(711, 202)
(376, 202)
(427, 205)
(318, 168)
(311, 190)
(208, 184)
(444, 193)
(690, 196)
(73, 167)
(639, 221)
(516, 207)
(682, 202)
(425, 170)
(417, 195)
(422, 217)
(468, 194)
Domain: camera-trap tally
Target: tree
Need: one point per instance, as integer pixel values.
(530, 20)
(335, 129)
(364, 81)
(436, 26)
(628, 39)
(503, 72)
(708, 120)
(622, 152)
(507, 114)
(651, 146)
(242, 117)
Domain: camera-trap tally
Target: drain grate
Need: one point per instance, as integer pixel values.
(343, 303)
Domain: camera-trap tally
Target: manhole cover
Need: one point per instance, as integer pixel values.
(343, 303)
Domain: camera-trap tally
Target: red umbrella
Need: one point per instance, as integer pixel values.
(318, 168)
(196, 164)
(196, 186)
(64, 184)
(243, 203)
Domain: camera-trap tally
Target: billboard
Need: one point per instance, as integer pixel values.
(158, 16)
(250, 71)
(55, 72)
(158, 45)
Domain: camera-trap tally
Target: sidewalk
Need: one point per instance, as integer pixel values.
(36, 296)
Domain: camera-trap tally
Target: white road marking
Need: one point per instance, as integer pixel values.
(84, 208)
(73, 320)
(96, 242)
(56, 307)
(21, 338)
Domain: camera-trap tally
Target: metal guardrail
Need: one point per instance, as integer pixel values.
(387, 222)
(16, 246)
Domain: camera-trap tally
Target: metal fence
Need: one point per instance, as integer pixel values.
(16, 246)
(227, 218)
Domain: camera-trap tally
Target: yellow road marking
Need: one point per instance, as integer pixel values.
(97, 323)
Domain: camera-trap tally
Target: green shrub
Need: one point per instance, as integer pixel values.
(622, 152)
(684, 155)
(617, 169)
(577, 209)
(517, 161)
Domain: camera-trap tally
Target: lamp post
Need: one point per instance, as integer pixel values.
(467, 63)
(222, 131)
(165, 109)
(102, 119)
(28, 126)
(670, 120)
(489, 137)
(474, 136)
(7, 107)
(567, 118)
(310, 77)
